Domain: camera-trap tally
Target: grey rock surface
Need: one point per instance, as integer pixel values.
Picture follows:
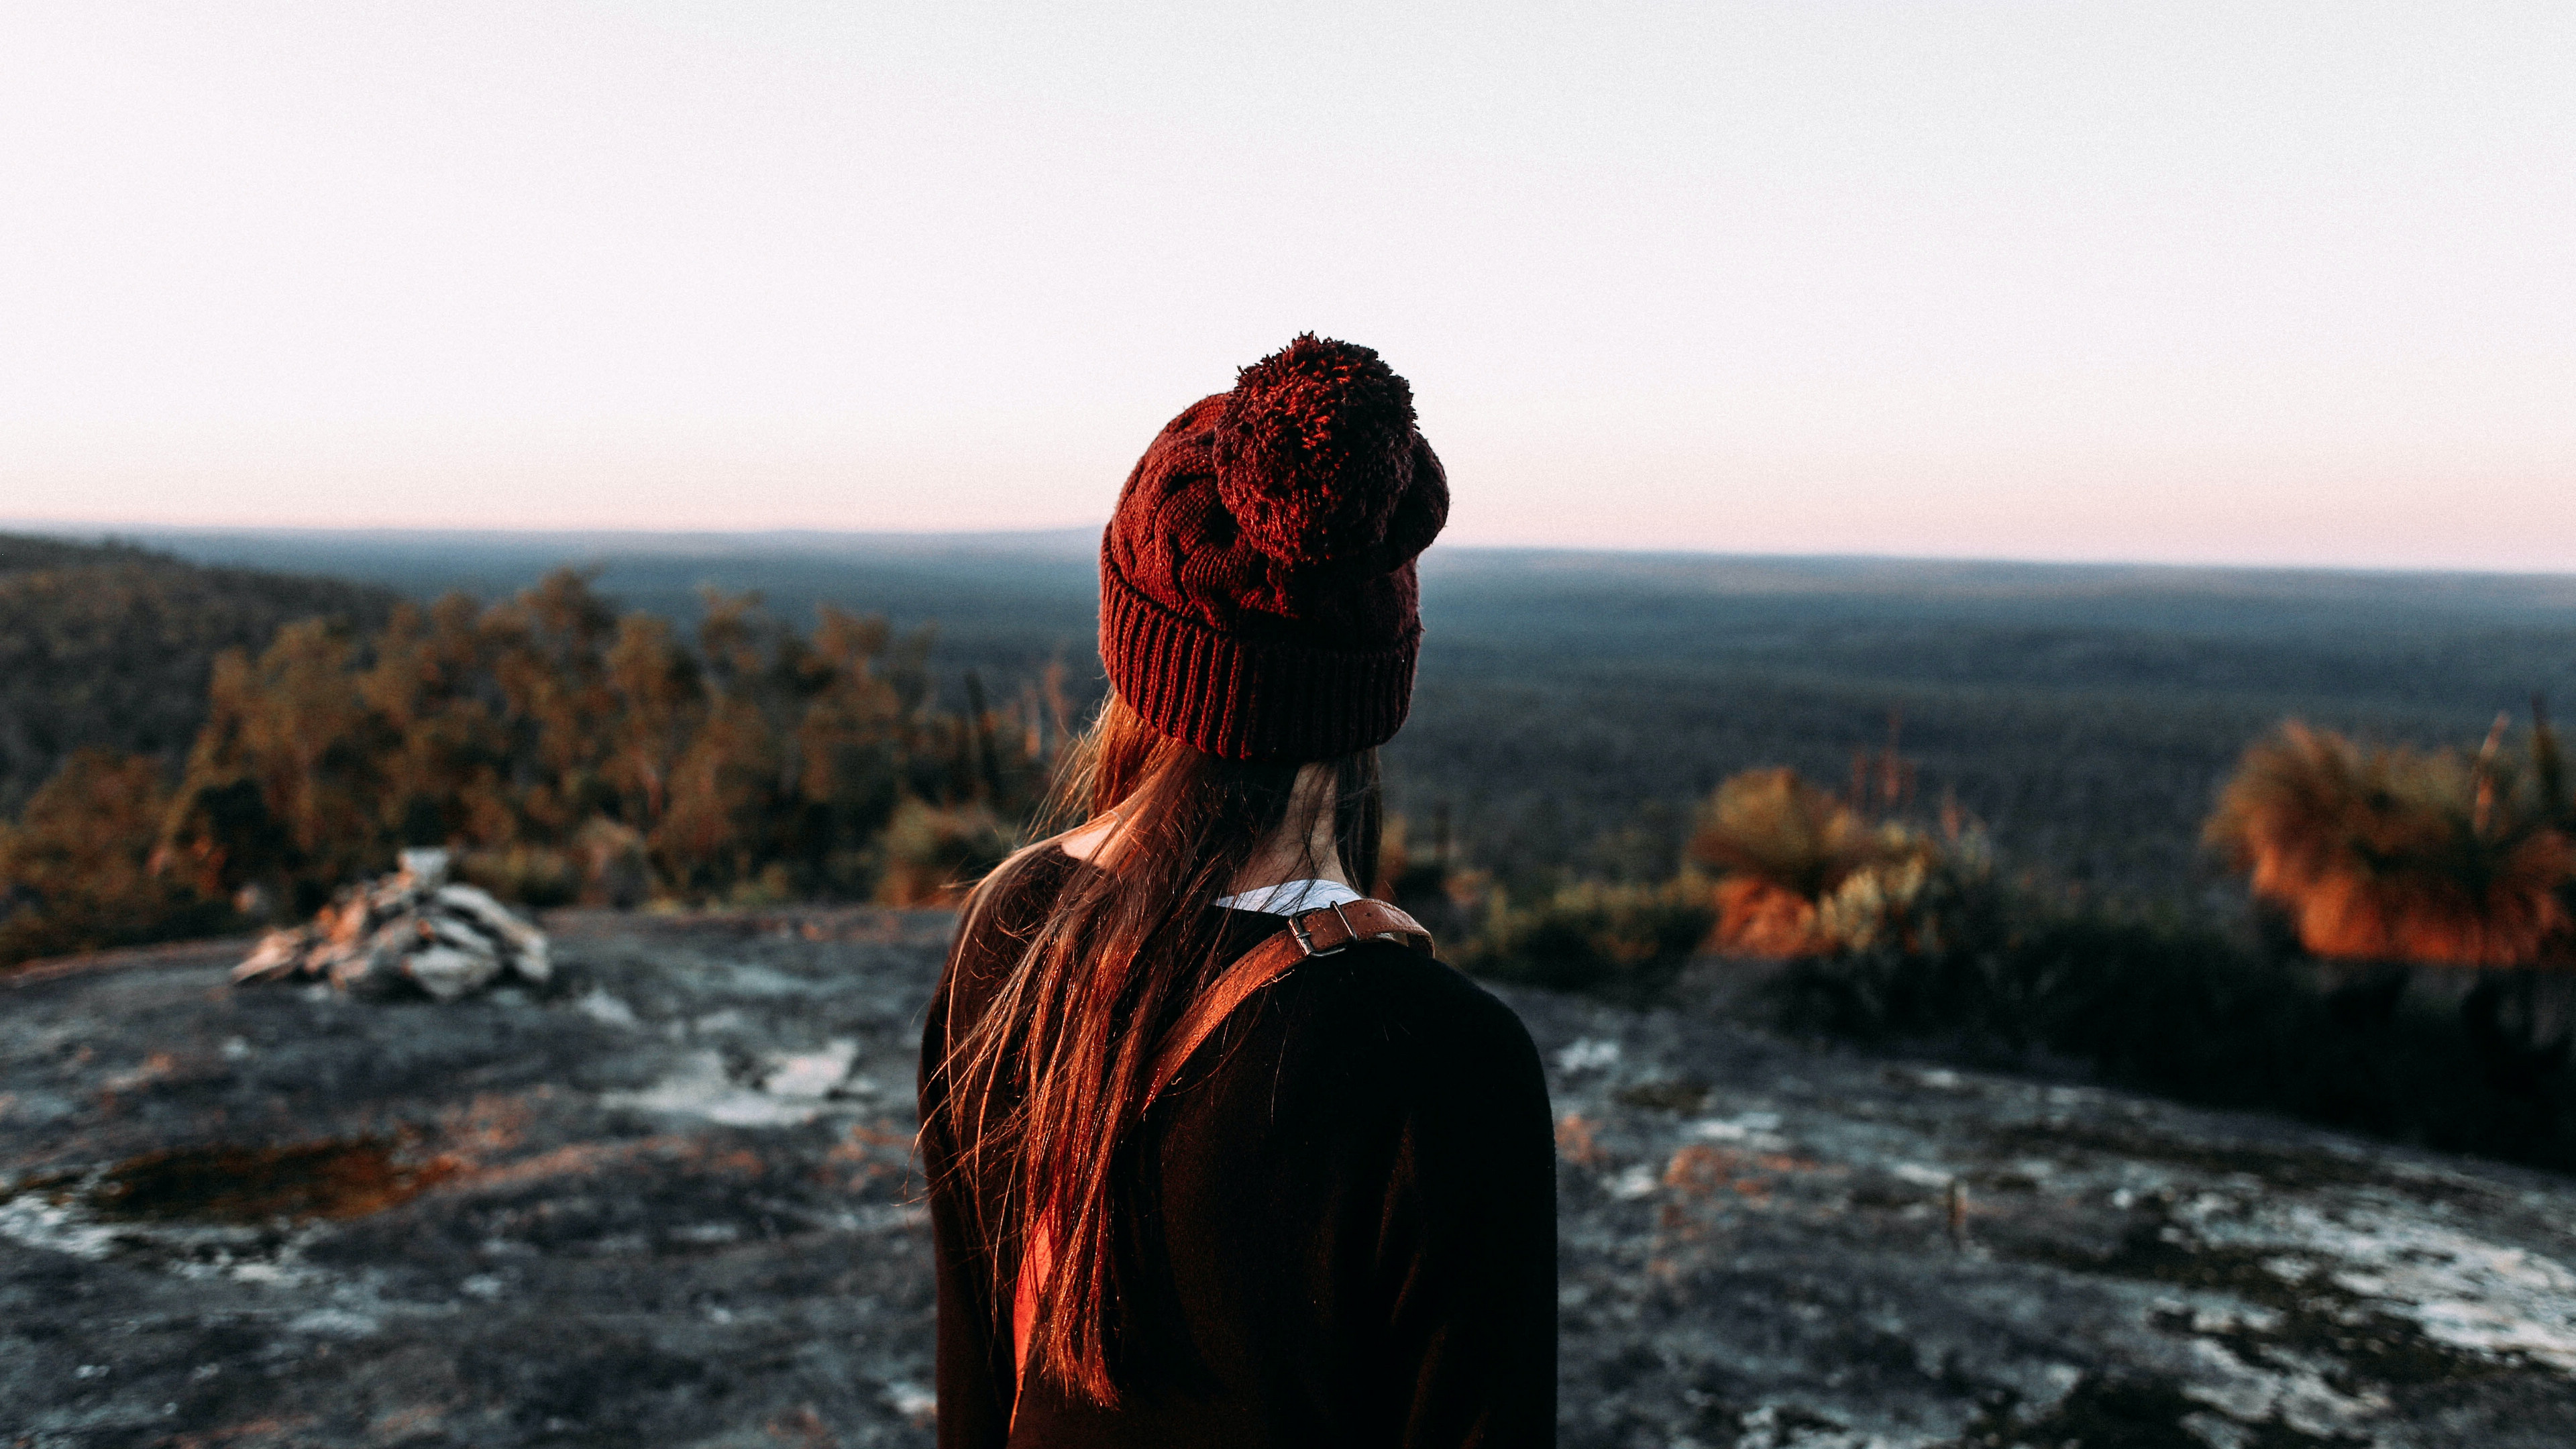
(667, 1198)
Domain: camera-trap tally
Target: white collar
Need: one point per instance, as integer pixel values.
(1292, 897)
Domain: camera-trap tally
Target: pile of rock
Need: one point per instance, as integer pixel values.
(408, 927)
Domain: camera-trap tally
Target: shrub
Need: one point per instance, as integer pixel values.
(1772, 826)
(2192, 1013)
(933, 856)
(1802, 873)
(1626, 942)
(525, 874)
(2399, 854)
(615, 868)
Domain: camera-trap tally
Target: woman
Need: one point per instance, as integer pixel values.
(1218, 1153)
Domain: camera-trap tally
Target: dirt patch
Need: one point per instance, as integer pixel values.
(301, 1182)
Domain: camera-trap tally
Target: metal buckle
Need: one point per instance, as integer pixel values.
(1297, 928)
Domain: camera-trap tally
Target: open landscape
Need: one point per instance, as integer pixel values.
(1996, 591)
(1899, 1193)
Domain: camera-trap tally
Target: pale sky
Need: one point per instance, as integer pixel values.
(2233, 282)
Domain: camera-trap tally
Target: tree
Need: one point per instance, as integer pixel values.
(75, 870)
(284, 782)
(564, 751)
(2389, 853)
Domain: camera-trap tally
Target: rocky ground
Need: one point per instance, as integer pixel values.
(667, 1201)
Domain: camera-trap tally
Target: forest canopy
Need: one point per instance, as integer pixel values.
(110, 646)
(567, 752)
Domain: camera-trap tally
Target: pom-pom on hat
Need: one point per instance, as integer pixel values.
(1257, 592)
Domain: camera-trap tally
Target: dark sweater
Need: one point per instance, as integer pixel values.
(1342, 1218)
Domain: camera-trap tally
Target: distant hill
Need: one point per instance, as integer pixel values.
(998, 600)
(22, 553)
(110, 645)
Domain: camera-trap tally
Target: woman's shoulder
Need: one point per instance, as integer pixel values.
(1025, 883)
(998, 916)
(1382, 1007)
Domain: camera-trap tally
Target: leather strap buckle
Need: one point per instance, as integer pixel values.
(1306, 939)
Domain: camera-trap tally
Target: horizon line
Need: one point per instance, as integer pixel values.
(110, 532)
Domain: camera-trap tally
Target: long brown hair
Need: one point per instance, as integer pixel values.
(1046, 1092)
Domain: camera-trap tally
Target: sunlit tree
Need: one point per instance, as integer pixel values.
(75, 870)
(1802, 871)
(564, 751)
(2389, 853)
(284, 783)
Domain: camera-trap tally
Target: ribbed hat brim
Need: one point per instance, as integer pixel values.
(1247, 699)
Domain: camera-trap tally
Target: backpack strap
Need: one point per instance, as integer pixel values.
(1315, 933)
(1324, 932)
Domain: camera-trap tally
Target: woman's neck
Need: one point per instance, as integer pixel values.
(1278, 859)
(1283, 857)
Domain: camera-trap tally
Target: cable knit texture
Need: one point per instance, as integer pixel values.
(1257, 589)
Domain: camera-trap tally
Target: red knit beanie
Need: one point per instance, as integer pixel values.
(1257, 595)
